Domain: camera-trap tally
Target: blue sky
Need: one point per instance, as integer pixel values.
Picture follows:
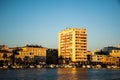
(39, 21)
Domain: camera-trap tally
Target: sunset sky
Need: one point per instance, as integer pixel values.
(39, 21)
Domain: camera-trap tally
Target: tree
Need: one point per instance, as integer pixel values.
(18, 61)
(26, 60)
(49, 59)
(15, 52)
(5, 57)
(89, 57)
(61, 60)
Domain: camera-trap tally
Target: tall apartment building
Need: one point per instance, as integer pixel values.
(72, 44)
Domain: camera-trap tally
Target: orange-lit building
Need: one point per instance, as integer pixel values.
(115, 53)
(72, 44)
(5, 55)
(110, 60)
(98, 58)
(31, 51)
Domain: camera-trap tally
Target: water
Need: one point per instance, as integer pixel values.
(60, 74)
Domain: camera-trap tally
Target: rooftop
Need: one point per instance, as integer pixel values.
(35, 46)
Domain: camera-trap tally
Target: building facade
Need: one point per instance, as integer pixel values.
(98, 58)
(5, 55)
(31, 53)
(72, 44)
(115, 53)
(110, 60)
(109, 56)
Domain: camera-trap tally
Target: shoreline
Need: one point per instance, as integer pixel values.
(57, 66)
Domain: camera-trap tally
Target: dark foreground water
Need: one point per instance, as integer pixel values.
(60, 74)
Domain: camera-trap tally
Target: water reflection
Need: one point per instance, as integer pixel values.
(104, 74)
(60, 74)
(72, 74)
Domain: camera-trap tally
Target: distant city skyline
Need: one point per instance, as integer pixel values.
(39, 21)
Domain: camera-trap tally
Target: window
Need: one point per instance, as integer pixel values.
(31, 53)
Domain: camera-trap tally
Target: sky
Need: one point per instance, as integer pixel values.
(39, 21)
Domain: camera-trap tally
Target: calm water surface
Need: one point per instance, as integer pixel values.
(60, 74)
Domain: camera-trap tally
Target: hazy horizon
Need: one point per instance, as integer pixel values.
(39, 21)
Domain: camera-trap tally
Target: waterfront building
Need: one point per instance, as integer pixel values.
(108, 56)
(32, 53)
(115, 53)
(72, 44)
(97, 58)
(110, 60)
(5, 55)
(105, 59)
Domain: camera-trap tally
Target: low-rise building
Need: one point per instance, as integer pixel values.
(110, 60)
(98, 58)
(5, 55)
(31, 53)
(115, 53)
